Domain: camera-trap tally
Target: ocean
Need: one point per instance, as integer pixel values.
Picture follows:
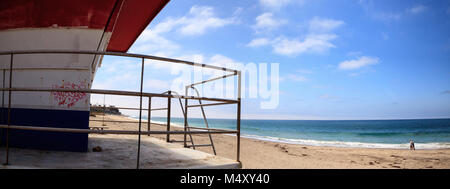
(392, 134)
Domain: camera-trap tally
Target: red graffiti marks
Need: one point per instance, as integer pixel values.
(69, 98)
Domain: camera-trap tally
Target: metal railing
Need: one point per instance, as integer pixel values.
(140, 94)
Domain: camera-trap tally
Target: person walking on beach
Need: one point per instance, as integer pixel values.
(411, 145)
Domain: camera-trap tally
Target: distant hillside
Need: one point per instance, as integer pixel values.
(97, 109)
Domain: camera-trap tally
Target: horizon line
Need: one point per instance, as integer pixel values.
(378, 119)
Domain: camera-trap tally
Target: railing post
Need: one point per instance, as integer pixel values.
(104, 110)
(185, 116)
(140, 114)
(9, 109)
(169, 99)
(3, 106)
(149, 113)
(238, 134)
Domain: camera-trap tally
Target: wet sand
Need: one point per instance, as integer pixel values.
(258, 154)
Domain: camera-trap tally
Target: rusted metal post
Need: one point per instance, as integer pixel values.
(169, 99)
(185, 116)
(3, 106)
(9, 109)
(104, 110)
(149, 113)
(140, 114)
(238, 134)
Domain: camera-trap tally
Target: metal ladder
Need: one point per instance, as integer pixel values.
(184, 115)
(188, 128)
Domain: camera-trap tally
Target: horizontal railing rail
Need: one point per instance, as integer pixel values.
(129, 132)
(119, 54)
(116, 92)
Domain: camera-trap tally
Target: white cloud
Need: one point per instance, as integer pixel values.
(274, 4)
(150, 42)
(200, 19)
(220, 60)
(369, 8)
(387, 16)
(197, 58)
(417, 9)
(312, 43)
(156, 84)
(318, 40)
(196, 22)
(258, 42)
(324, 25)
(358, 63)
(266, 22)
(118, 75)
(167, 25)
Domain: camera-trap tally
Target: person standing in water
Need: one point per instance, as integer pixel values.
(411, 145)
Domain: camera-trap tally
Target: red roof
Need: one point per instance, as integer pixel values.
(125, 18)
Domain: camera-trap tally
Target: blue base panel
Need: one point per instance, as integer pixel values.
(44, 140)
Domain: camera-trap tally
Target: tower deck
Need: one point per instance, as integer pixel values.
(119, 152)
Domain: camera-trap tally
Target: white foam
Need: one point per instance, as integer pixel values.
(434, 145)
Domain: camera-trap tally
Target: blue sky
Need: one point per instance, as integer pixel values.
(347, 59)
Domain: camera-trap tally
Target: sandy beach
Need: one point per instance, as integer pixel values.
(258, 154)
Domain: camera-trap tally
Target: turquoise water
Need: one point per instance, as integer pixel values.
(427, 133)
